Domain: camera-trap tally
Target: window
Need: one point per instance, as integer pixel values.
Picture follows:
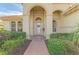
(13, 26)
(19, 26)
(54, 26)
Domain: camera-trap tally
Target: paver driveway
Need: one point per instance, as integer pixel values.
(37, 46)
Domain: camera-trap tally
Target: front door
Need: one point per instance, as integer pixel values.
(38, 27)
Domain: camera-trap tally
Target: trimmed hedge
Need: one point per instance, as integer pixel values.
(12, 34)
(65, 36)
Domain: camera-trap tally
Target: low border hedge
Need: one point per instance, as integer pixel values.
(65, 36)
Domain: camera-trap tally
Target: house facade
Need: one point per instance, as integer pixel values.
(44, 19)
(11, 23)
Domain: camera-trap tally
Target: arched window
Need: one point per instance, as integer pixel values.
(13, 26)
(54, 26)
(56, 17)
(19, 25)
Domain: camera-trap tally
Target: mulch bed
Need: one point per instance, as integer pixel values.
(19, 50)
(46, 42)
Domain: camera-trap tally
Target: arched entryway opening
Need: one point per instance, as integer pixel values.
(38, 26)
(37, 21)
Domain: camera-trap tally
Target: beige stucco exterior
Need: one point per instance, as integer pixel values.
(65, 23)
(66, 16)
(47, 20)
(6, 21)
(7, 24)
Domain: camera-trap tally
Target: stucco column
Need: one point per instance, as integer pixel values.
(7, 25)
(26, 20)
(49, 19)
(26, 25)
(16, 25)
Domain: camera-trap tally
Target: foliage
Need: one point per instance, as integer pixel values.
(12, 41)
(70, 41)
(1, 29)
(60, 46)
(76, 36)
(10, 45)
(65, 36)
(70, 47)
(56, 46)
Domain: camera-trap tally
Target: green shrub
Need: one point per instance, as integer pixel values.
(70, 47)
(1, 29)
(60, 46)
(5, 35)
(12, 34)
(56, 46)
(10, 45)
(2, 52)
(65, 36)
(14, 39)
(68, 40)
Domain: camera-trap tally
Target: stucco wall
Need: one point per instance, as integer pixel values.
(47, 22)
(65, 24)
(7, 25)
(70, 22)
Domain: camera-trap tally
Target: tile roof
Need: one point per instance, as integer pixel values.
(17, 17)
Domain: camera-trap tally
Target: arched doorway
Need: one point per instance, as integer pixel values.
(37, 21)
(38, 27)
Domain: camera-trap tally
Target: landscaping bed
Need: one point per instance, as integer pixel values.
(19, 50)
(63, 44)
(46, 42)
(11, 41)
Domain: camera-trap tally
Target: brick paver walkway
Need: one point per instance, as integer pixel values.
(37, 46)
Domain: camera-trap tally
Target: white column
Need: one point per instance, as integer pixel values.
(49, 19)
